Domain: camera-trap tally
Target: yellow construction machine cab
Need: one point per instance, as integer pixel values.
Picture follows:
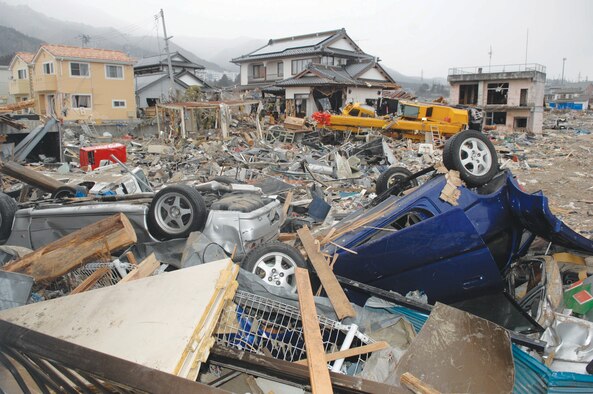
(433, 112)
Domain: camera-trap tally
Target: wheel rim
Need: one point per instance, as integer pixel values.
(174, 213)
(394, 178)
(277, 269)
(475, 156)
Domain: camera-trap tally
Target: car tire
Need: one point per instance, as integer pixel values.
(176, 211)
(473, 155)
(8, 208)
(275, 263)
(68, 192)
(387, 179)
(447, 162)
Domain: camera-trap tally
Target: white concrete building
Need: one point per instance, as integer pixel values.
(512, 96)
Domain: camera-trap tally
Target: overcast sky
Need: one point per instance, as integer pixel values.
(408, 36)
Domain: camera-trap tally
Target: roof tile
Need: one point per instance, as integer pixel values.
(87, 53)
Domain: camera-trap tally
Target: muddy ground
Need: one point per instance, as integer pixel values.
(559, 162)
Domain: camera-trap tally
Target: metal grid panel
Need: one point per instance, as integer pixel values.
(260, 325)
(117, 270)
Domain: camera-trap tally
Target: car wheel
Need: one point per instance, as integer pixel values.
(68, 192)
(176, 211)
(393, 174)
(446, 158)
(473, 155)
(275, 263)
(8, 208)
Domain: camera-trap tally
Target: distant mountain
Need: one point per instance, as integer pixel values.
(14, 41)
(221, 50)
(27, 21)
(408, 81)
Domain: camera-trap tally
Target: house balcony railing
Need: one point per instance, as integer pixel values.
(18, 87)
(45, 83)
(497, 69)
(266, 78)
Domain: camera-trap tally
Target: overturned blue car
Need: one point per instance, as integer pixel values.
(451, 251)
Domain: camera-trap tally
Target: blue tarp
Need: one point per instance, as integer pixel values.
(567, 105)
(531, 376)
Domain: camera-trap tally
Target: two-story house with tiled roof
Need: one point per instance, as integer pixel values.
(75, 83)
(319, 71)
(21, 85)
(152, 78)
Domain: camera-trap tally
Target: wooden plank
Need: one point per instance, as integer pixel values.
(131, 258)
(356, 351)
(320, 380)
(268, 367)
(286, 206)
(91, 280)
(416, 385)
(570, 258)
(286, 237)
(75, 249)
(144, 269)
(331, 285)
(30, 177)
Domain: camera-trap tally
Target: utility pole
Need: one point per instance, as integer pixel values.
(563, 61)
(84, 39)
(168, 53)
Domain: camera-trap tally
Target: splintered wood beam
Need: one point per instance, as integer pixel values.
(80, 247)
(332, 287)
(30, 177)
(91, 280)
(144, 269)
(356, 351)
(319, 374)
(416, 385)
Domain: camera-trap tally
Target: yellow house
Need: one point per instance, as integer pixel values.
(89, 84)
(20, 86)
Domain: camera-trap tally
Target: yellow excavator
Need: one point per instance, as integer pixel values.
(412, 120)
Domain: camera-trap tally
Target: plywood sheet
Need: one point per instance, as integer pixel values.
(160, 321)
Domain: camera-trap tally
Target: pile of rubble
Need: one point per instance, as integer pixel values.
(288, 259)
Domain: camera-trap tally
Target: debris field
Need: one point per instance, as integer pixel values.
(262, 256)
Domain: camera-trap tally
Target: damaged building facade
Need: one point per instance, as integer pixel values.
(152, 83)
(315, 72)
(512, 96)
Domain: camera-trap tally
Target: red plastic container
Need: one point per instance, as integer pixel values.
(92, 155)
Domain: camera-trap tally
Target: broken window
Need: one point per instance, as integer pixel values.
(493, 118)
(300, 104)
(151, 102)
(257, 71)
(79, 69)
(48, 68)
(22, 73)
(406, 220)
(468, 94)
(520, 123)
(300, 65)
(497, 93)
(113, 71)
(81, 101)
(523, 98)
(409, 111)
